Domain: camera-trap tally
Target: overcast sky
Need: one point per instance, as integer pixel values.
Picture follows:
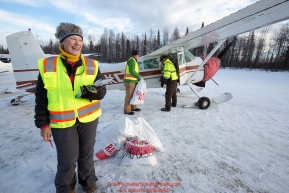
(128, 16)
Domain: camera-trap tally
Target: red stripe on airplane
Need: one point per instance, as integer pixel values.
(28, 70)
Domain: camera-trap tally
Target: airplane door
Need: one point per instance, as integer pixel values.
(181, 65)
(189, 63)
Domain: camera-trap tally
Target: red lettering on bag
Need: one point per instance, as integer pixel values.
(141, 95)
(138, 148)
(106, 152)
(108, 147)
(111, 151)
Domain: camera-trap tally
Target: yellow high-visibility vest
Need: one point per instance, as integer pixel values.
(169, 70)
(63, 107)
(128, 75)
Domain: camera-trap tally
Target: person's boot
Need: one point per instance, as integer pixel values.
(92, 188)
(130, 113)
(58, 189)
(164, 109)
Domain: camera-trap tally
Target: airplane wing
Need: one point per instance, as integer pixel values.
(262, 13)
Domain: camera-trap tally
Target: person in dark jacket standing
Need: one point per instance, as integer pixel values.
(68, 106)
(169, 81)
(131, 78)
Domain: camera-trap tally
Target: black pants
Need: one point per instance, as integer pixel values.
(171, 96)
(75, 144)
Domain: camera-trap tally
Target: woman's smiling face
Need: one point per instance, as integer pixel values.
(73, 45)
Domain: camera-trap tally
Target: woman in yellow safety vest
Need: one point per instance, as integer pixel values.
(169, 81)
(68, 106)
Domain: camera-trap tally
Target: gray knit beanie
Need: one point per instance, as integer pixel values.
(67, 29)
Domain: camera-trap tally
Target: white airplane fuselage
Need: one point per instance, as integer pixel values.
(150, 68)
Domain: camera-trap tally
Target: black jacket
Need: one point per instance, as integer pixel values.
(41, 101)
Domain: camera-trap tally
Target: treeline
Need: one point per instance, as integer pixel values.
(3, 50)
(265, 48)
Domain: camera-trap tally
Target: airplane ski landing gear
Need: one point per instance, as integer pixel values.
(203, 103)
(17, 100)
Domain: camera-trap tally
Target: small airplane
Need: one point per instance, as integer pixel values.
(25, 52)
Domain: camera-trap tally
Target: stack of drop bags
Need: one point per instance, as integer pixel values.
(135, 143)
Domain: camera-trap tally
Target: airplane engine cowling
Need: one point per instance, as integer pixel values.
(211, 67)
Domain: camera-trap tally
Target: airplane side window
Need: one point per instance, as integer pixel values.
(155, 63)
(151, 63)
(146, 64)
(140, 65)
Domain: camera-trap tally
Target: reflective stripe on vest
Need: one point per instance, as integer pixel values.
(61, 116)
(88, 109)
(90, 67)
(169, 71)
(50, 64)
(128, 76)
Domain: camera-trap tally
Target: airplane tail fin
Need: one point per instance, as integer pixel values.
(24, 51)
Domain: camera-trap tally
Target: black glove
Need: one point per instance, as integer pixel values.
(164, 83)
(92, 92)
(101, 92)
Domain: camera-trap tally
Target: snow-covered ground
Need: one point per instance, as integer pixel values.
(238, 146)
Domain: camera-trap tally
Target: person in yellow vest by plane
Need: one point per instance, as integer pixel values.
(72, 120)
(131, 78)
(169, 81)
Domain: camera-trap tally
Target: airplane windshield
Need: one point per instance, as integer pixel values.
(189, 56)
(180, 59)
